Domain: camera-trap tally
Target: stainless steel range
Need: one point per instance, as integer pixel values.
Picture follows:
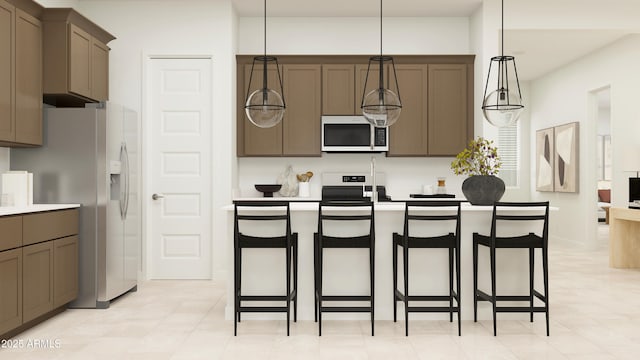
(352, 186)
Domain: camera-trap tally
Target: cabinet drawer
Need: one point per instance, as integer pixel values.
(49, 225)
(11, 230)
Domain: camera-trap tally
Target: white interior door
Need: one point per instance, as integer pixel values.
(180, 109)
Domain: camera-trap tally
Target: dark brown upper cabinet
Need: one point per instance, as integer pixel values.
(76, 59)
(20, 74)
(338, 89)
(436, 93)
(299, 132)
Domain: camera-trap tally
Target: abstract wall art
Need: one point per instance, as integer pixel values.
(545, 156)
(566, 157)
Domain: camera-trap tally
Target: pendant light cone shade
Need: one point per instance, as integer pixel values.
(381, 107)
(502, 106)
(265, 107)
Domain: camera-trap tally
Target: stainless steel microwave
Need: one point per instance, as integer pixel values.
(352, 134)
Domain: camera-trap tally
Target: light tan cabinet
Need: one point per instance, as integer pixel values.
(11, 285)
(301, 124)
(76, 66)
(38, 266)
(65, 270)
(408, 136)
(450, 124)
(20, 77)
(37, 280)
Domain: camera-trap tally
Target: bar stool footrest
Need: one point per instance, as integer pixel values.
(520, 309)
(266, 297)
(344, 298)
(433, 309)
(401, 297)
(345, 309)
(263, 309)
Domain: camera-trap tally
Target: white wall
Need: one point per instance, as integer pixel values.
(156, 27)
(342, 35)
(404, 175)
(566, 96)
(354, 35)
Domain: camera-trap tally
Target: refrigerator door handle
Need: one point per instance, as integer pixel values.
(121, 197)
(127, 174)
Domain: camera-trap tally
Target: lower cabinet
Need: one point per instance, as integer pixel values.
(65, 270)
(11, 286)
(37, 280)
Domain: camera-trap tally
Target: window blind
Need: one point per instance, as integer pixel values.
(509, 153)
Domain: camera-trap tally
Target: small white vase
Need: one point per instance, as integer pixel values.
(303, 189)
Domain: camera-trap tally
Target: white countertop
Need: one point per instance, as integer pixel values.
(16, 210)
(312, 205)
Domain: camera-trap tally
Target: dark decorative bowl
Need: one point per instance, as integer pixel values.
(267, 189)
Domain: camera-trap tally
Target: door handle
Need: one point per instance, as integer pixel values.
(157, 196)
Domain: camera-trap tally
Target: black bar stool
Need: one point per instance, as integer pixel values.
(343, 211)
(265, 211)
(522, 213)
(439, 212)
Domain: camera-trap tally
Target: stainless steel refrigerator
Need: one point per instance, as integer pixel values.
(91, 156)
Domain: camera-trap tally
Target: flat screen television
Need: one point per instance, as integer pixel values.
(634, 189)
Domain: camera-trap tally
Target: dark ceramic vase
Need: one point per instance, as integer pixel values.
(483, 189)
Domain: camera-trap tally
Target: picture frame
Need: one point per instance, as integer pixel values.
(545, 159)
(566, 167)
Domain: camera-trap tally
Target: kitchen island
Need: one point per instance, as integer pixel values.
(347, 269)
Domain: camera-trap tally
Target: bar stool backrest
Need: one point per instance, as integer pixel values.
(263, 212)
(436, 211)
(519, 214)
(334, 210)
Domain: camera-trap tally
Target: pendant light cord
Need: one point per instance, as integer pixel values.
(265, 28)
(381, 71)
(502, 30)
(264, 59)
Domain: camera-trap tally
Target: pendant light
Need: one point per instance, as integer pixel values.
(503, 106)
(265, 107)
(381, 106)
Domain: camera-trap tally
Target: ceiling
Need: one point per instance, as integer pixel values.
(537, 52)
(357, 8)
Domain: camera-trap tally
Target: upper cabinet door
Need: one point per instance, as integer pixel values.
(449, 121)
(99, 71)
(261, 141)
(7, 50)
(28, 79)
(338, 89)
(301, 126)
(373, 82)
(79, 61)
(408, 136)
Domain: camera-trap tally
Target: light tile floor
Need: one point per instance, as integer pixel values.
(595, 314)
